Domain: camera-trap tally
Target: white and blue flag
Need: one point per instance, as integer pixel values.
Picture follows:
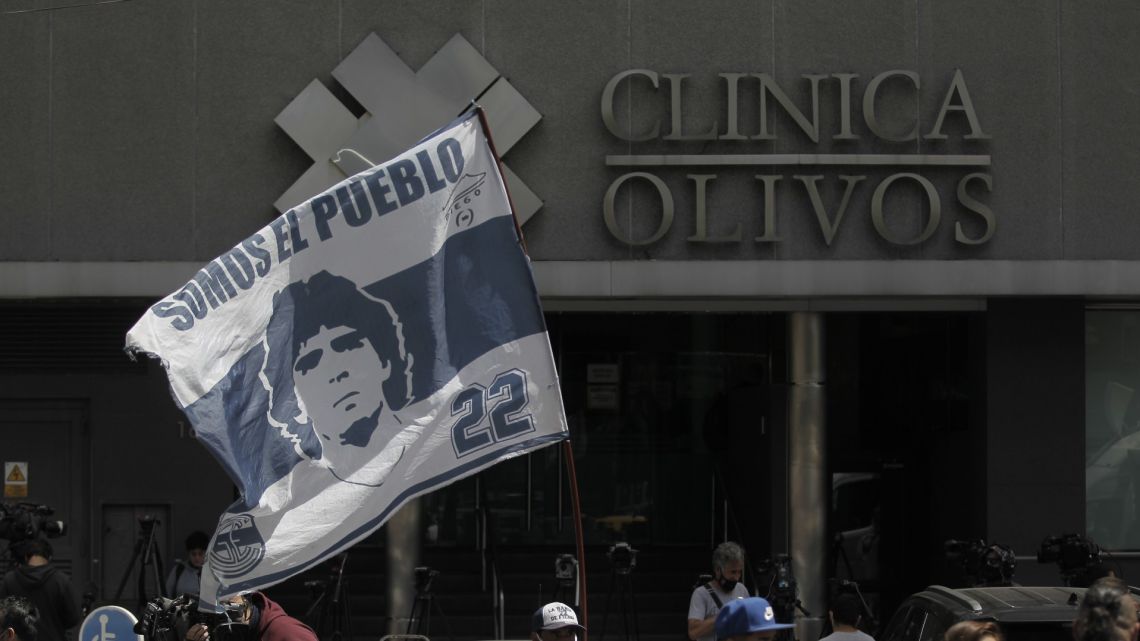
(375, 343)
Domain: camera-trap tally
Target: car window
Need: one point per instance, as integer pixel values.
(934, 628)
(893, 630)
(905, 625)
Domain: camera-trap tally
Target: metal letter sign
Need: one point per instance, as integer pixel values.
(403, 106)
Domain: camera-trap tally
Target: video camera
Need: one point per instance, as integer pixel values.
(1074, 554)
(984, 565)
(423, 577)
(783, 592)
(622, 557)
(22, 521)
(165, 619)
(566, 569)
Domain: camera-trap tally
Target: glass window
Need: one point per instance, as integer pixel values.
(905, 625)
(1112, 427)
(655, 403)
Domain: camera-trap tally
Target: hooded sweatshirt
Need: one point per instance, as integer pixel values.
(50, 591)
(274, 625)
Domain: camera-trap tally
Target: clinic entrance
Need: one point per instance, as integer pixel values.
(678, 425)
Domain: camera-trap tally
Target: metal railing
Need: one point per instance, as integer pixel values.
(489, 569)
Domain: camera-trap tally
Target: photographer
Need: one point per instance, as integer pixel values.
(846, 611)
(18, 618)
(709, 598)
(46, 587)
(266, 620)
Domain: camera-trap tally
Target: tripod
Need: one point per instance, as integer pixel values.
(839, 553)
(146, 554)
(330, 611)
(419, 619)
(621, 581)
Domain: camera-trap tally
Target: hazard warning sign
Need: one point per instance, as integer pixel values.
(15, 479)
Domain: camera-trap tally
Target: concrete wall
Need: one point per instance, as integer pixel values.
(144, 130)
(140, 452)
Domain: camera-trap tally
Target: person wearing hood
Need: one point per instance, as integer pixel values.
(46, 587)
(726, 586)
(267, 621)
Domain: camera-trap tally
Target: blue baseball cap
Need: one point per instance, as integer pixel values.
(741, 617)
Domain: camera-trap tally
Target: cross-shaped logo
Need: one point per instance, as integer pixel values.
(403, 106)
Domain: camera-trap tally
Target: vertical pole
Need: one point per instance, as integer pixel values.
(807, 467)
(403, 552)
(567, 449)
(577, 509)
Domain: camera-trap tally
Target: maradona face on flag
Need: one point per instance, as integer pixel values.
(380, 341)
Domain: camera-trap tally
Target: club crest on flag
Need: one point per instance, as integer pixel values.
(237, 547)
(379, 341)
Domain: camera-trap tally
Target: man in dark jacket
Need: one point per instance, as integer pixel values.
(46, 587)
(265, 617)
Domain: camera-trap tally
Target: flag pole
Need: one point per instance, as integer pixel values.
(567, 449)
(499, 163)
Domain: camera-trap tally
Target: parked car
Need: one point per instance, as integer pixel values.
(1024, 613)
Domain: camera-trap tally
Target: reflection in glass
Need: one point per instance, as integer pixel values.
(1112, 427)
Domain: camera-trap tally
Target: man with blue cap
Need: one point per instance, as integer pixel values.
(750, 619)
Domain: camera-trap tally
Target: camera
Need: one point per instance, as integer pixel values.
(622, 558)
(165, 619)
(424, 577)
(984, 565)
(20, 521)
(783, 593)
(566, 568)
(1074, 555)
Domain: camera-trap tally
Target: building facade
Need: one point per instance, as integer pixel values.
(788, 251)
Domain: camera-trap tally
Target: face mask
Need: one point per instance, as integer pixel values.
(727, 584)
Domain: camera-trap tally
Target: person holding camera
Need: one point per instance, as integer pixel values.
(846, 612)
(18, 619)
(267, 621)
(187, 574)
(708, 598)
(748, 619)
(45, 586)
(1107, 613)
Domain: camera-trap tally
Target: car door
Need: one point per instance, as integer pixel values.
(906, 624)
(935, 626)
